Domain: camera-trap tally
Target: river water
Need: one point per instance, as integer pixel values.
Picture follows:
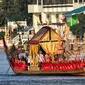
(10, 79)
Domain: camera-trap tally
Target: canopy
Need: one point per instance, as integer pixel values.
(76, 11)
(47, 38)
(45, 34)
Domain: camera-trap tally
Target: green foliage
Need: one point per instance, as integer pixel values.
(2, 34)
(76, 29)
(79, 29)
(81, 17)
(6, 9)
(13, 10)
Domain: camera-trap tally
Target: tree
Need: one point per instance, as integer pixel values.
(20, 10)
(76, 29)
(7, 7)
(79, 29)
(14, 10)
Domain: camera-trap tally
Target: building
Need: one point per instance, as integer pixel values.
(14, 24)
(51, 11)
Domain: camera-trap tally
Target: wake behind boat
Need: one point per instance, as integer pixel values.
(48, 53)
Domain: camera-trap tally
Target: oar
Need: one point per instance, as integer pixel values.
(8, 70)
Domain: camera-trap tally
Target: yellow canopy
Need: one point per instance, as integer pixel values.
(47, 38)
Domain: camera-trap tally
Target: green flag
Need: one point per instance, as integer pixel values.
(73, 19)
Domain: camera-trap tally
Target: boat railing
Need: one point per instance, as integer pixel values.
(16, 40)
(24, 38)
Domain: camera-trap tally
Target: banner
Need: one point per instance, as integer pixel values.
(73, 19)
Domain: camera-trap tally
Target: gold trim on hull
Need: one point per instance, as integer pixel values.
(75, 72)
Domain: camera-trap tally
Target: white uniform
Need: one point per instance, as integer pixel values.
(28, 60)
(40, 56)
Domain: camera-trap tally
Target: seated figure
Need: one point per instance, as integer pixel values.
(40, 57)
(47, 58)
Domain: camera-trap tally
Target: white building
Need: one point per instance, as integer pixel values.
(50, 11)
(13, 24)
